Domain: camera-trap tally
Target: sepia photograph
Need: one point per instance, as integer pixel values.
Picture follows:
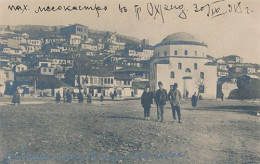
(129, 81)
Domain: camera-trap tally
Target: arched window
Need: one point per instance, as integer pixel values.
(202, 75)
(195, 66)
(187, 70)
(175, 52)
(179, 66)
(172, 75)
(186, 52)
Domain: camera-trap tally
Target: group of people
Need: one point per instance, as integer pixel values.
(67, 97)
(161, 97)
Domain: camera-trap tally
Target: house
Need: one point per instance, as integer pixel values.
(75, 39)
(77, 29)
(136, 73)
(145, 54)
(233, 59)
(88, 46)
(20, 67)
(47, 70)
(34, 42)
(44, 64)
(13, 51)
(26, 48)
(54, 39)
(104, 81)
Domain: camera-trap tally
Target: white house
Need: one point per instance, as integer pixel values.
(181, 58)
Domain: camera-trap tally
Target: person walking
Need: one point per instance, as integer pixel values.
(160, 100)
(146, 101)
(174, 97)
(58, 96)
(89, 98)
(194, 100)
(16, 97)
(80, 97)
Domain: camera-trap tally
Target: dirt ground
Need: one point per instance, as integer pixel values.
(115, 132)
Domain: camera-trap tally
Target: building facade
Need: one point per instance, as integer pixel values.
(181, 58)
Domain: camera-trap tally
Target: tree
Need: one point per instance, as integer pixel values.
(200, 84)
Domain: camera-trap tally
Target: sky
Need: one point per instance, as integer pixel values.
(235, 32)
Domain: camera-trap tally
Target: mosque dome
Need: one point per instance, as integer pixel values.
(181, 37)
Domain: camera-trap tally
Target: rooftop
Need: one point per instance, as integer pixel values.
(181, 38)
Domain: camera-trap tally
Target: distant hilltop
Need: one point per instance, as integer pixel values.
(92, 33)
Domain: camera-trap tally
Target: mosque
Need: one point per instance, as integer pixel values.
(182, 58)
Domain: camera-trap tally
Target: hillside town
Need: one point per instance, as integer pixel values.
(42, 60)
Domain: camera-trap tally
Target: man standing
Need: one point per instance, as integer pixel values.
(174, 97)
(194, 100)
(58, 96)
(16, 97)
(160, 100)
(146, 101)
(222, 96)
(80, 97)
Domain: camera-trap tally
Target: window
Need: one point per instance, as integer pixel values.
(187, 70)
(112, 81)
(108, 80)
(172, 75)
(49, 69)
(175, 52)
(186, 52)
(105, 80)
(195, 66)
(165, 53)
(201, 89)
(195, 53)
(202, 75)
(44, 70)
(91, 80)
(179, 66)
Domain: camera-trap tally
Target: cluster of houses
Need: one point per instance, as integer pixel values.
(106, 62)
(114, 66)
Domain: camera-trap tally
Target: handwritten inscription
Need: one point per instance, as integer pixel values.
(156, 11)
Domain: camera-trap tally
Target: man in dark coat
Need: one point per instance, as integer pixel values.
(194, 100)
(16, 97)
(80, 97)
(69, 97)
(174, 97)
(58, 97)
(160, 100)
(89, 98)
(146, 101)
(101, 98)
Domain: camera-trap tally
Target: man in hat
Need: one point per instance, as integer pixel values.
(174, 96)
(160, 100)
(146, 101)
